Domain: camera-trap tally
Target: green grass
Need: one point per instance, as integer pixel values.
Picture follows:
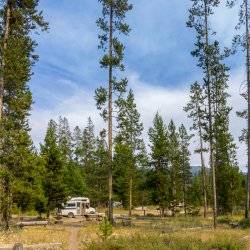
(166, 243)
(172, 223)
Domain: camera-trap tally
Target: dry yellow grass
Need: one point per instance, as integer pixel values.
(36, 235)
(181, 228)
(89, 234)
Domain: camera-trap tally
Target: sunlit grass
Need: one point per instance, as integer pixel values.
(35, 235)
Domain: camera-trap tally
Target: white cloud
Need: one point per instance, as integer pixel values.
(150, 98)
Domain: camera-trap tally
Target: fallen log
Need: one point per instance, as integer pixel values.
(90, 217)
(32, 223)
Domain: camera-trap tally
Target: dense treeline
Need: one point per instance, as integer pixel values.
(115, 164)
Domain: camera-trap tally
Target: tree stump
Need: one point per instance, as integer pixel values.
(126, 222)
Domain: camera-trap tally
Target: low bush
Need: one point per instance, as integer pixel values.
(105, 229)
(224, 243)
(224, 219)
(244, 223)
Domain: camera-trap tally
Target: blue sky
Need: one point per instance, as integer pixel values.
(158, 63)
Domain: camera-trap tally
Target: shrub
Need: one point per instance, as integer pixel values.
(224, 219)
(225, 244)
(244, 223)
(105, 229)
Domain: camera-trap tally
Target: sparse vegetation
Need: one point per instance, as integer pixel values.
(244, 223)
(105, 229)
(149, 242)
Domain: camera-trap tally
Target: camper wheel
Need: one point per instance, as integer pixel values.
(71, 215)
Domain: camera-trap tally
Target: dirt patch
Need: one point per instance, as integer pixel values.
(73, 239)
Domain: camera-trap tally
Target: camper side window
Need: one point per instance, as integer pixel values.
(70, 205)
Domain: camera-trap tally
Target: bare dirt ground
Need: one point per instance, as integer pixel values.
(73, 239)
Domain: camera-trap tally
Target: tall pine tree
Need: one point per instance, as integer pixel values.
(159, 145)
(185, 168)
(112, 24)
(174, 166)
(200, 12)
(211, 60)
(243, 40)
(54, 185)
(129, 142)
(196, 110)
(19, 20)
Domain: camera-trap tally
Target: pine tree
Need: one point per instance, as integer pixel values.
(225, 148)
(77, 145)
(100, 190)
(65, 138)
(129, 141)
(159, 145)
(73, 172)
(19, 21)
(197, 111)
(124, 173)
(216, 125)
(244, 41)
(174, 165)
(55, 189)
(185, 168)
(111, 25)
(200, 12)
(88, 154)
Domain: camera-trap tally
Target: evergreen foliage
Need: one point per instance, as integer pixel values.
(159, 145)
(112, 24)
(216, 119)
(129, 149)
(19, 20)
(54, 185)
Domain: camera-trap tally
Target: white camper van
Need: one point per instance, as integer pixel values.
(78, 206)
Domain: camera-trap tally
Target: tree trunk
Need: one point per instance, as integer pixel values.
(6, 202)
(203, 169)
(48, 214)
(248, 122)
(184, 200)
(130, 196)
(5, 39)
(110, 117)
(208, 83)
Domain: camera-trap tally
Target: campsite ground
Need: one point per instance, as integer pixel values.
(145, 233)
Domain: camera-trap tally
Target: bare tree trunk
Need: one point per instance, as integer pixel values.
(184, 199)
(142, 205)
(6, 207)
(130, 196)
(110, 118)
(203, 169)
(208, 83)
(248, 129)
(48, 214)
(5, 39)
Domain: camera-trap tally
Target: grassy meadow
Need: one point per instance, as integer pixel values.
(145, 232)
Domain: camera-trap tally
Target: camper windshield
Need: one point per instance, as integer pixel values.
(70, 205)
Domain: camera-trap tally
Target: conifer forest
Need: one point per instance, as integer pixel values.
(158, 159)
